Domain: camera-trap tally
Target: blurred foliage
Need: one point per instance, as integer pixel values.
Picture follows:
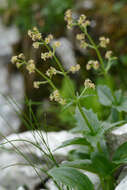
(47, 15)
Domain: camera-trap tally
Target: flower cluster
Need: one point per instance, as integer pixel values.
(68, 19)
(30, 66)
(51, 71)
(18, 60)
(46, 55)
(81, 38)
(83, 22)
(89, 84)
(34, 34)
(104, 42)
(75, 68)
(92, 64)
(108, 55)
(56, 97)
(56, 44)
(48, 38)
(36, 45)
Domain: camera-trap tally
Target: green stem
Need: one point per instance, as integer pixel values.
(46, 78)
(55, 58)
(96, 49)
(85, 118)
(82, 93)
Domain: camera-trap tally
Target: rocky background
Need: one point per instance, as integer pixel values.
(23, 177)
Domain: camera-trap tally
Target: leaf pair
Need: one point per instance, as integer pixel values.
(116, 99)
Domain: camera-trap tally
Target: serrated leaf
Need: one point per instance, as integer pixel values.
(71, 177)
(120, 155)
(105, 95)
(82, 125)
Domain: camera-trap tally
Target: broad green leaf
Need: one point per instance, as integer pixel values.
(82, 124)
(75, 141)
(123, 105)
(80, 154)
(102, 165)
(105, 95)
(68, 88)
(120, 155)
(71, 177)
(80, 164)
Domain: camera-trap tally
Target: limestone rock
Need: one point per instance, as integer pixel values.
(117, 137)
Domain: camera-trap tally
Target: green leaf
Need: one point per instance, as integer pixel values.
(105, 95)
(71, 177)
(80, 164)
(102, 165)
(120, 155)
(79, 154)
(82, 125)
(123, 105)
(118, 95)
(75, 141)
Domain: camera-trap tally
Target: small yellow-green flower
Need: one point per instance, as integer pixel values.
(36, 45)
(51, 71)
(104, 41)
(31, 66)
(108, 54)
(75, 68)
(36, 84)
(89, 84)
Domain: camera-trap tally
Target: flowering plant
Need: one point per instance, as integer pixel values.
(93, 154)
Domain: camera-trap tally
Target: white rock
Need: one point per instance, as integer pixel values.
(117, 137)
(8, 37)
(94, 179)
(20, 188)
(53, 139)
(3, 4)
(19, 175)
(66, 53)
(122, 185)
(87, 4)
(14, 173)
(50, 185)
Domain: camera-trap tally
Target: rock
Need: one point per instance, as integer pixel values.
(85, 4)
(117, 137)
(3, 4)
(50, 185)
(66, 53)
(54, 139)
(18, 174)
(122, 185)
(9, 122)
(123, 174)
(8, 37)
(2, 188)
(9, 86)
(94, 179)
(20, 188)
